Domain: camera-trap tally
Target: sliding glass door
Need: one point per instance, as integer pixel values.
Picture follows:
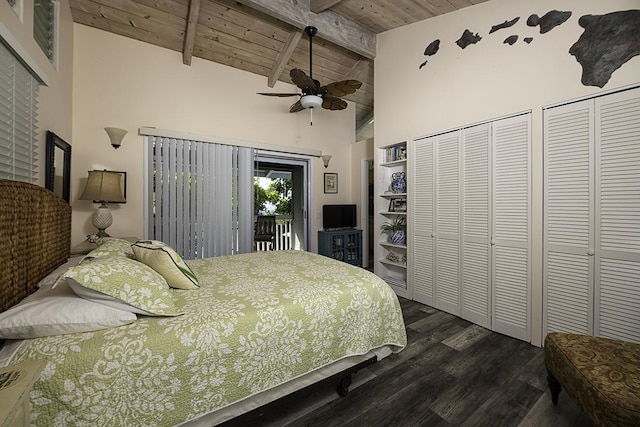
(288, 176)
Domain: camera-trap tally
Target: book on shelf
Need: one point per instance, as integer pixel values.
(393, 154)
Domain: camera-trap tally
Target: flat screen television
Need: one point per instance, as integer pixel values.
(339, 216)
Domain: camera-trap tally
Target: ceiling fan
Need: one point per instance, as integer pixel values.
(313, 94)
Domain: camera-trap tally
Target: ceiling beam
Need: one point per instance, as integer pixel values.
(318, 6)
(190, 34)
(331, 26)
(283, 57)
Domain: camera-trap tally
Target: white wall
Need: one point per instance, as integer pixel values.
(125, 83)
(487, 80)
(54, 108)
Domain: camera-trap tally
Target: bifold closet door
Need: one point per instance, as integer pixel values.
(447, 226)
(592, 217)
(423, 220)
(476, 280)
(510, 242)
(568, 218)
(617, 216)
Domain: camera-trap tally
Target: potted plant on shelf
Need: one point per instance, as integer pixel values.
(396, 230)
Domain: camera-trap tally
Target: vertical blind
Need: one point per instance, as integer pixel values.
(199, 196)
(18, 119)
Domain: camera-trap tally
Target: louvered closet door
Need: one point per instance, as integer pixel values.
(568, 218)
(475, 286)
(423, 221)
(447, 271)
(617, 264)
(511, 222)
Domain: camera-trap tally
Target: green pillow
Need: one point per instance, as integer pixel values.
(122, 283)
(166, 261)
(112, 246)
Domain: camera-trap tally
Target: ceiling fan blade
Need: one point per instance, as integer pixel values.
(281, 95)
(331, 103)
(341, 88)
(303, 81)
(296, 107)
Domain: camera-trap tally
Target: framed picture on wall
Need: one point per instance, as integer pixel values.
(58, 166)
(330, 183)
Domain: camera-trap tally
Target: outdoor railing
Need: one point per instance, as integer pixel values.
(283, 237)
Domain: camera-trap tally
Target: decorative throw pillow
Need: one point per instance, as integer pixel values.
(112, 246)
(166, 261)
(57, 312)
(117, 280)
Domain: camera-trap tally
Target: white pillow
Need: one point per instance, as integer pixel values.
(52, 277)
(167, 262)
(58, 311)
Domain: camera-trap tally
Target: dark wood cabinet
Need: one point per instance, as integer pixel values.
(343, 245)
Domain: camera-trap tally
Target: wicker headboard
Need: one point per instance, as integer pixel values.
(35, 238)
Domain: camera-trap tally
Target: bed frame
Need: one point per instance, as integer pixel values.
(35, 238)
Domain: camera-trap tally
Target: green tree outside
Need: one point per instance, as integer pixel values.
(278, 193)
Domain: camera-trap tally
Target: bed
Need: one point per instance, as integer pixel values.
(257, 327)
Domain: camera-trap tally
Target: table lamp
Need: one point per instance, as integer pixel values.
(103, 187)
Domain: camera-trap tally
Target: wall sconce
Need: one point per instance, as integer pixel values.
(115, 135)
(325, 159)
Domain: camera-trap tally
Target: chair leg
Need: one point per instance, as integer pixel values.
(554, 387)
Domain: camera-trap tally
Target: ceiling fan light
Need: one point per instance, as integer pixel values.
(311, 101)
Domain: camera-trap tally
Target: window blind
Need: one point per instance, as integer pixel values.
(18, 120)
(43, 25)
(199, 196)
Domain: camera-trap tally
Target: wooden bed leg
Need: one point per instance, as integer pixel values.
(554, 386)
(343, 387)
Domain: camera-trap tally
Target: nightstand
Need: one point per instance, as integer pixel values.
(16, 382)
(86, 246)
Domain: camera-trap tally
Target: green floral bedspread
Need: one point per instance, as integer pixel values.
(256, 321)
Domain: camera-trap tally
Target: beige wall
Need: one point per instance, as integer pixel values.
(54, 108)
(127, 84)
(360, 151)
(485, 81)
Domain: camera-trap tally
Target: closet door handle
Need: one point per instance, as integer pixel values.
(591, 252)
(493, 242)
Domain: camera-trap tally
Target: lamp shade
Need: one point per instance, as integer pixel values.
(311, 101)
(103, 186)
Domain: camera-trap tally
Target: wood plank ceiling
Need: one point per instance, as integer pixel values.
(266, 37)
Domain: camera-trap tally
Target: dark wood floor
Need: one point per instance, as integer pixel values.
(490, 380)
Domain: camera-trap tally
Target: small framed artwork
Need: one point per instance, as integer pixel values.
(399, 205)
(123, 185)
(330, 183)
